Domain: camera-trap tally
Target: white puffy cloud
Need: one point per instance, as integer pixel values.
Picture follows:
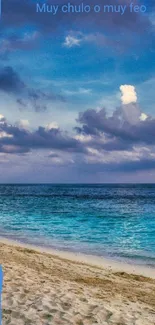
(71, 41)
(52, 125)
(143, 117)
(24, 124)
(5, 135)
(83, 137)
(129, 94)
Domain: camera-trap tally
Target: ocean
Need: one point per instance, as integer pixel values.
(114, 221)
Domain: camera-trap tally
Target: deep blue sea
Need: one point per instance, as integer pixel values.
(115, 221)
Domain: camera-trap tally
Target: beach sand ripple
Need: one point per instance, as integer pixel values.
(43, 289)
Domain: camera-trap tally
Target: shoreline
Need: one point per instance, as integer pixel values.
(90, 260)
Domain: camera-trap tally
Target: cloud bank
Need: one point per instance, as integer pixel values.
(99, 142)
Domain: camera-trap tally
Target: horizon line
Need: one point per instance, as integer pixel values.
(75, 183)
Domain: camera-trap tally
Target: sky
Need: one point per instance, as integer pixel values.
(77, 93)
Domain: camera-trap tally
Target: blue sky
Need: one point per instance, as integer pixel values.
(77, 94)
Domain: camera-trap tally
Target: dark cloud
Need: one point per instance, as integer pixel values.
(114, 144)
(131, 166)
(143, 164)
(106, 134)
(118, 130)
(11, 82)
(42, 138)
(104, 143)
(54, 155)
(39, 99)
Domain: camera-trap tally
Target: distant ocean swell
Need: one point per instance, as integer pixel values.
(116, 221)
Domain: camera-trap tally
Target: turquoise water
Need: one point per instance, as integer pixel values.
(116, 221)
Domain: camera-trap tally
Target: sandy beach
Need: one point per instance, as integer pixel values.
(42, 288)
